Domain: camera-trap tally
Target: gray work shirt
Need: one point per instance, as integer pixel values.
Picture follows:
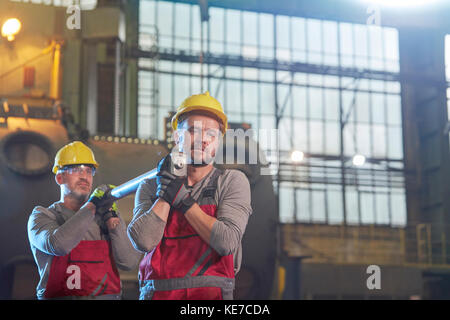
(48, 238)
(233, 200)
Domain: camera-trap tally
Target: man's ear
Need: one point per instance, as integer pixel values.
(59, 178)
(176, 136)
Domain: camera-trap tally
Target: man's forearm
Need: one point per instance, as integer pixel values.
(161, 208)
(147, 227)
(125, 255)
(51, 238)
(200, 221)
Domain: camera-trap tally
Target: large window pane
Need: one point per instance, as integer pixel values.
(249, 27)
(303, 205)
(332, 144)
(233, 30)
(267, 98)
(318, 206)
(367, 210)
(250, 97)
(379, 146)
(298, 26)
(398, 208)
(300, 135)
(330, 44)
(334, 198)
(316, 103)
(314, 35)
(266, 35)
(316, 137)
(346, 45)
(182, 25)
(216, 23)
(352, 204)
(378, 108)
(299, 99)
(286, 205)
(382, 204)
(233, 96)
(376, 47)
(165, 23)
(395, 145)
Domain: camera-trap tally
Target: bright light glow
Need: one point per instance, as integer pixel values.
(11, 28)
(297, 156)
(359, 160)
(402, 3)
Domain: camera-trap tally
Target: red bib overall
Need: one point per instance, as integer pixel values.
(183, 266)
(87, 270)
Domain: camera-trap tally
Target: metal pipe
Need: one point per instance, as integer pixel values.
(131, 186)
(178, 168)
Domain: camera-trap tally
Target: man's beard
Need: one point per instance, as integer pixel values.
(201, 161)
(198, 163)
(79, 197)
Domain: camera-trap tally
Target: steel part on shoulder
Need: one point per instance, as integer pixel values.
(178, 168)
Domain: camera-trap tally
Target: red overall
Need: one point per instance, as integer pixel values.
(183, 266)
(91, 262)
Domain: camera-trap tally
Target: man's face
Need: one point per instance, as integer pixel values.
(199, 137)
(76, 181)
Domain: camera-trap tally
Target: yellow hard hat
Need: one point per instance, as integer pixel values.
(201, 102)
(74, 153)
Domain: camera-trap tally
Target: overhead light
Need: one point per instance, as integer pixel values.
(359, 160)
(11, 28)
(402, 3)
(297, 156)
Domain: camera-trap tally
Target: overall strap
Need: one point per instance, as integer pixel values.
(56, 214)
(208, 193)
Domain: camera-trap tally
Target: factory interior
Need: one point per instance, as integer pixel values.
(350, 201)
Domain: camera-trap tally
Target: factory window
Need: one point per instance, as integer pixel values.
(447, 76)
(447, 57)
(447, 73)
(334, 91)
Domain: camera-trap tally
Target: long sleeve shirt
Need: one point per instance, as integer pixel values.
(234, 209)
(48, 238)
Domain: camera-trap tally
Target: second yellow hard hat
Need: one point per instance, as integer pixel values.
(74, 153)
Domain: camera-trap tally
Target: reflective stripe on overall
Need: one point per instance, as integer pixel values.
(87, 271)
(183, 266)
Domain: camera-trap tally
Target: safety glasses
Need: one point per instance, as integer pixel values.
(79, 169)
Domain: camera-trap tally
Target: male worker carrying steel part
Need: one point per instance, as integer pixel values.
(78, 241)
(191, 227)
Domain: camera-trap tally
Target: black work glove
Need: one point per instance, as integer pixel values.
(111, 213)
(171, 188)
(101, 198)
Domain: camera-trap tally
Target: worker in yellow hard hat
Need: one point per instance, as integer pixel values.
(79, 241)
(191, 227)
